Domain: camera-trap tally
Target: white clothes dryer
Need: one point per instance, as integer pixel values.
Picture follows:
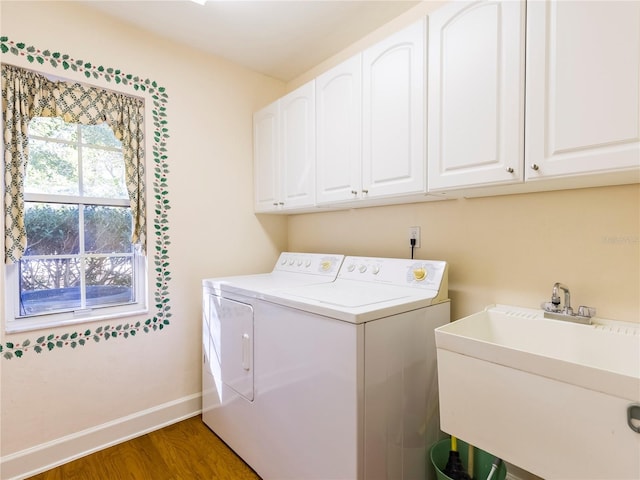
(344, 375)
(229, 310)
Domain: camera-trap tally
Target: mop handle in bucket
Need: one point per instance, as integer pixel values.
(494, 467)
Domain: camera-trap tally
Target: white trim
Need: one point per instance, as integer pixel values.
(41, 322)
(43, 457)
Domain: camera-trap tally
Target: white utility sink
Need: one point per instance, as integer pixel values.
(550, 396)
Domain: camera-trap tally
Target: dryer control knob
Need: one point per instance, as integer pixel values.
(362, 268)
(351, 267)
(326, 265)
(375, 269)
(292, 261)
(307, 263)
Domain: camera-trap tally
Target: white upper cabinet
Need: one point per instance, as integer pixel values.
(339, 132)
(583, 88)
(298, 147)
(522, 96)
(266, 160)
(476, 94)
(284, 152)
(393, 112)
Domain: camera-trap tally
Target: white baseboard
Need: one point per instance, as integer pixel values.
(37, 459)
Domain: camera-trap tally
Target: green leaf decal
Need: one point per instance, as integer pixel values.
(158, 225)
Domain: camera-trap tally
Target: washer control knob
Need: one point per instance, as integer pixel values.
(375, 269)
(292, 261)
(362, 268)
(307, 263)
(325, 265)
(299, 263)
(419, 274)
(351, 268)
(283, 261)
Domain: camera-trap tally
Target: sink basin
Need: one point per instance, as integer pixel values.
(548, 395)
(604, 356)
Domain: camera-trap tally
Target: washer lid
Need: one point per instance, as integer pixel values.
(353, 301)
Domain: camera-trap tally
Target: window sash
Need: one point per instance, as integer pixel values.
(83, 287)
(16, 324)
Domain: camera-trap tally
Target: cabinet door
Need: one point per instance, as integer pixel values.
(583, 88)
(339, 132)
(393, 107)
(266, 163)
(476, 94)
(297, 125)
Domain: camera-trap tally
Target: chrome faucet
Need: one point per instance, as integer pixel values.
(553, 309)
(555, 299)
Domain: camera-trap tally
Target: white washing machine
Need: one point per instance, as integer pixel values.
(230, 305)
(344, 375)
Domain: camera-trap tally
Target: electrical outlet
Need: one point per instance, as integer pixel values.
(414, 234)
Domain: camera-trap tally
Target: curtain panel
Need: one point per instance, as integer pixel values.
(25, 95)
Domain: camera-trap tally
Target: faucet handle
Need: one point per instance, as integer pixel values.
(584, 311)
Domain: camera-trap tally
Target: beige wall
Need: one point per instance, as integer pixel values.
(213, 230)
(505, 249)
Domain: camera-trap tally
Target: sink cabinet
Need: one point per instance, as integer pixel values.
(581, 127)
(549, 396)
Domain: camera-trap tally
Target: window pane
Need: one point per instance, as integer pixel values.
(53, 127)
(107, 229)
(109, 280)
(103, 173)
(52, 168)
(99, 135)
(48, 285)
(52, 229)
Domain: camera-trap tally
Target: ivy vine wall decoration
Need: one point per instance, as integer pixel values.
(159, 96)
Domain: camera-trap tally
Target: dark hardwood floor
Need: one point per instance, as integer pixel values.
(187, 450)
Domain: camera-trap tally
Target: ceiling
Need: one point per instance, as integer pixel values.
(281, 39)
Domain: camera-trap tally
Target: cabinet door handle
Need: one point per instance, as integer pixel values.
(535, 167)
(509, 170)
(281, 203)
(354, 192)
(633, 413)
(364, 192)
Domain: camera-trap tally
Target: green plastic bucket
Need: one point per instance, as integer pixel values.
(439, 454)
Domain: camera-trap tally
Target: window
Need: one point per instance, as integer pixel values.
(79, 262)
(78, 255)
(74, 203)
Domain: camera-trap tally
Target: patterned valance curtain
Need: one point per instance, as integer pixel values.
(26, 95)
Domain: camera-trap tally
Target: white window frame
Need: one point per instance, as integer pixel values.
(16, 323)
